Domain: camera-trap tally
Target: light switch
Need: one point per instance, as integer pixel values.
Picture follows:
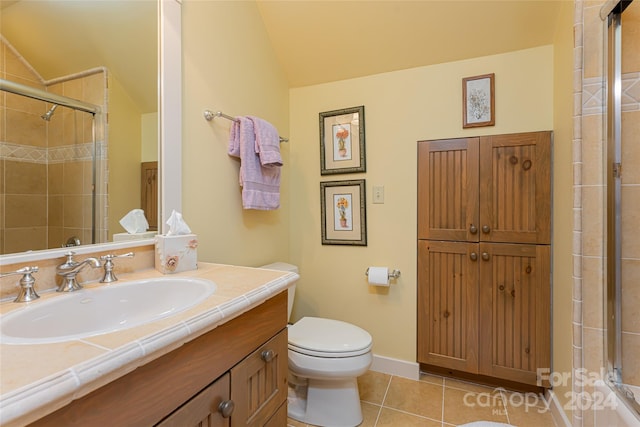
(378, 194)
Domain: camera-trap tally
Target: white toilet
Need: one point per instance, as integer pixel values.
(325, 358)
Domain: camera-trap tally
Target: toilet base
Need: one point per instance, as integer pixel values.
(333, 403)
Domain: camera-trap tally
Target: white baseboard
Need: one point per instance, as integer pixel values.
(558, 414)
(397, 367)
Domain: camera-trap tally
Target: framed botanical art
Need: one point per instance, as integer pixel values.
(343, 206)
(478, 101)
(342, 148)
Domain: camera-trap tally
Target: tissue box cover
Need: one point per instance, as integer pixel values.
(176, 253)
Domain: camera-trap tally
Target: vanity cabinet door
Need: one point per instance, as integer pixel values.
(203, 409)
(259, 383)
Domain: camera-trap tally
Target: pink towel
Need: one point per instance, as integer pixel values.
(267, 142)
(260, 185)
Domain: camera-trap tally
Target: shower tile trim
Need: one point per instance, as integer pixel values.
(66, 153)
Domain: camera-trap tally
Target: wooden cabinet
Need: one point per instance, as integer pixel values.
(447, 305)
(491, 188)
(515, 317)
(248, 395)
(259, 383)
(149, 192)
(243, 360)
(484, 227)
(205, 409)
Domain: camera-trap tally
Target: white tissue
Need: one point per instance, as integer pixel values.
(176, 224)
(135, 222)
(378, 276)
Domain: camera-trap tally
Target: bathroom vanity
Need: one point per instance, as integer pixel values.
(231, 372)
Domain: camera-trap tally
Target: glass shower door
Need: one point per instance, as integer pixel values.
(623, 201)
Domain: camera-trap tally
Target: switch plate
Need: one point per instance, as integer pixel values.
(378, 194)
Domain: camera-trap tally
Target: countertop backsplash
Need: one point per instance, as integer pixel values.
(46, 279)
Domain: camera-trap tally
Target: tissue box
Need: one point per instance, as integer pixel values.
(176, 253)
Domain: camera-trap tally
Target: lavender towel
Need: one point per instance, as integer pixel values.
(267, 142)
(260, 185)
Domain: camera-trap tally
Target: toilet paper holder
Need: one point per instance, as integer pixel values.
(393, 274)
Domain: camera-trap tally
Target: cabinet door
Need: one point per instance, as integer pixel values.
(448, 304)
(203, 409)
(515, 188)
(515, 317)
(259, 383)
(149, 193)
(448, 189)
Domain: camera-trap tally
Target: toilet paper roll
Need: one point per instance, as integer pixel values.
(379, 276)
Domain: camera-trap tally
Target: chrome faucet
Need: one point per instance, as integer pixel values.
(27, 291)
(70, 269)
(109, 275)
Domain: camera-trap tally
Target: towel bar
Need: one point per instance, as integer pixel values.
(210, 115)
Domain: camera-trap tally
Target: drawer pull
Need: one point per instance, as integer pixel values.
(473, 229)
(268, 355)
(226, 408)
(485, 256)
(473, 256)
(486, 229)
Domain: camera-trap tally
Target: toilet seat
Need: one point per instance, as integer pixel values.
(330, 338)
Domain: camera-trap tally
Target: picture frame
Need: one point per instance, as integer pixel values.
(342, 141)
(478, 101)
(343, 212)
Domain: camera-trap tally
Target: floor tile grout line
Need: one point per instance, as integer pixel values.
(503, 394)
(442, 407)
(383, 399)
(413, 414)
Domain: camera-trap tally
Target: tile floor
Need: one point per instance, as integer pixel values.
(436, 401)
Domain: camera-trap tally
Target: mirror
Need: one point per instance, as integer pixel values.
(119, 36)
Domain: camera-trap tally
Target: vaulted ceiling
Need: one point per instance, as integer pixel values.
(327, 40)
(315, 41)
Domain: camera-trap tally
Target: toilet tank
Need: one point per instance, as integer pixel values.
(291, 292)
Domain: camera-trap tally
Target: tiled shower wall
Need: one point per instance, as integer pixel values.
(46, 168)
(590, 206)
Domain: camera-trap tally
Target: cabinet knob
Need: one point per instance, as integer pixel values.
(473, 256)
(485, 256)
(486, 229)
(473, 229)
(226, 408)
(267, 355)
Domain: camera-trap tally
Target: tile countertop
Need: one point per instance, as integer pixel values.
(37, 379)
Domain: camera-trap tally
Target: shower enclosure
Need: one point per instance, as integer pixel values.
(622, 135)
(49, 160)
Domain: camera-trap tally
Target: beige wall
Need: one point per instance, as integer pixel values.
(125, 142)
(400, 108)
(563, 202)
(228, 65)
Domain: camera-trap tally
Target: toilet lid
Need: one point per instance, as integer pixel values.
(317, 336)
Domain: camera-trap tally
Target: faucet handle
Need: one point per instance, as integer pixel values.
(27, 291)
(69, 256)
(109, 275)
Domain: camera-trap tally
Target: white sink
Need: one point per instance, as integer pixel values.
(109, 308)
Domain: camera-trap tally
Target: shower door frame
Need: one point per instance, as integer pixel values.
(611, 13)
(76, 105)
